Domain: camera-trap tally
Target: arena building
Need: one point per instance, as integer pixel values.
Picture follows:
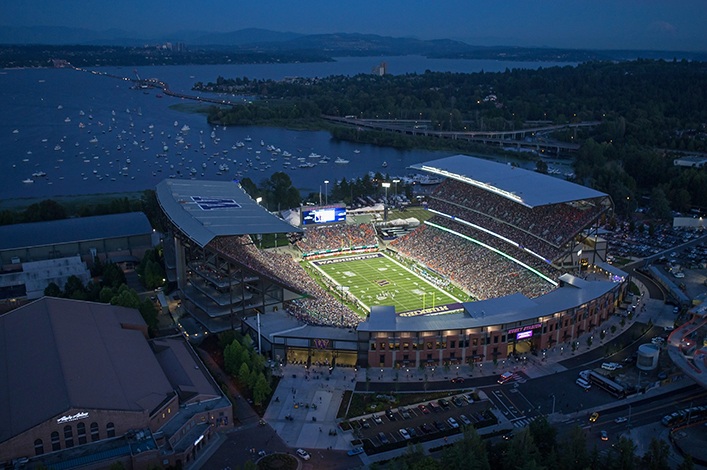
(35, 254)
(82, 386)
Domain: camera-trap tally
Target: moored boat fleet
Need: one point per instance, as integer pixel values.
(105, 146)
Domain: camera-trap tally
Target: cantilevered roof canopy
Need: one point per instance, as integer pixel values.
(204, 210)
(525, 187)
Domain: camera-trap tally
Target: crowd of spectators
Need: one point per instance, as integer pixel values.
(483, 273)
(320, 308)
(556, 224)
(340, 237)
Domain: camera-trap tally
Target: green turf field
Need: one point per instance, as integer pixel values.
(375, 279)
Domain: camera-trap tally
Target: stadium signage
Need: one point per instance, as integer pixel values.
(438, 310)
(211, 203)
(524, 335)
(70, 418)
(348, 258)
(524, 328)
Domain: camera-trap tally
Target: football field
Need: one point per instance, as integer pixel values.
(375, 279)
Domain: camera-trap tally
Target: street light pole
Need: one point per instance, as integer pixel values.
(395, 182)
(326, 192)
(386, 185)
(553, 403)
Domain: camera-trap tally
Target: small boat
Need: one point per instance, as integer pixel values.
(28, 181)
(248, 139)
(357, 151)
(185, 128)
(341, 161)
(385, 164)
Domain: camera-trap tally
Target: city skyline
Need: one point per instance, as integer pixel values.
(574, 24)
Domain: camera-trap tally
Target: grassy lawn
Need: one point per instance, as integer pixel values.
(375, 279)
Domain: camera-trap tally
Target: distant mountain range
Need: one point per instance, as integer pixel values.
(336, 44)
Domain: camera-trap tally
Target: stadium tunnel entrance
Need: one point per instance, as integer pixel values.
(321, 357)
(524, 342)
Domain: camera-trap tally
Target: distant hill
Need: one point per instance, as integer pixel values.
(337, 44)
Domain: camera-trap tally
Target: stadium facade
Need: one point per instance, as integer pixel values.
(523, 246)
(82, 386)
(210, 254)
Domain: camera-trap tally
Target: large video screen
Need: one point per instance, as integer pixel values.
(323, 215)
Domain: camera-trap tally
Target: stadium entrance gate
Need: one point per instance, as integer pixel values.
(524, 339)
(320, 356)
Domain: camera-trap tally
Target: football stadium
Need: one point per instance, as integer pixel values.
(509, 262)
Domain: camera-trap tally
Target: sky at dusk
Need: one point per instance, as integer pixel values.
(593, 24)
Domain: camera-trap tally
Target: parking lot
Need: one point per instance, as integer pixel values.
(422, 421)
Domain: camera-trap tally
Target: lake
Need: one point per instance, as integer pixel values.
(66, 132)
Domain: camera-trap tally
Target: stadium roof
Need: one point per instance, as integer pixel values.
(525, 187)
(61, 354)
(73, 230)
(204, 210)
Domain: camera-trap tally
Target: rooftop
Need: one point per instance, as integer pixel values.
(61, 354)
(525, 187)
(204, 210)
(73, 230)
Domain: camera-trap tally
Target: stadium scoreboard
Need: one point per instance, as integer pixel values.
(323, 215)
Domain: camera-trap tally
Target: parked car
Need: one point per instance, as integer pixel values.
(304, 455)
(383, 438)
(610, 366)
(424, 409)
(452, 422)
(377, 419)
(424, 427)
(355, 451)
(404, 432)
(583, 383)
(621, 419)
(465, 420)
(443, 403)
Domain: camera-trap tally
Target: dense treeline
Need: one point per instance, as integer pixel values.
(650, 112)
(243, 362)
(50, 209)
(95, 56)
(537, 447)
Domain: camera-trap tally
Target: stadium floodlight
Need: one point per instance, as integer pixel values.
(326, 192)
(396, 181)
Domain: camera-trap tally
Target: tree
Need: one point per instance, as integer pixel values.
(244, 373)
(52, 290)
(660, 207)
(544, 435)
(113, 276)
(261, 390)
(657, 456)
(467, 454)
(74, 288)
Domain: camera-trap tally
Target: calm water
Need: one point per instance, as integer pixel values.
(80, 133)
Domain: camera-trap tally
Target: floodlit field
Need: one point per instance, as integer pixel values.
(375, 279)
